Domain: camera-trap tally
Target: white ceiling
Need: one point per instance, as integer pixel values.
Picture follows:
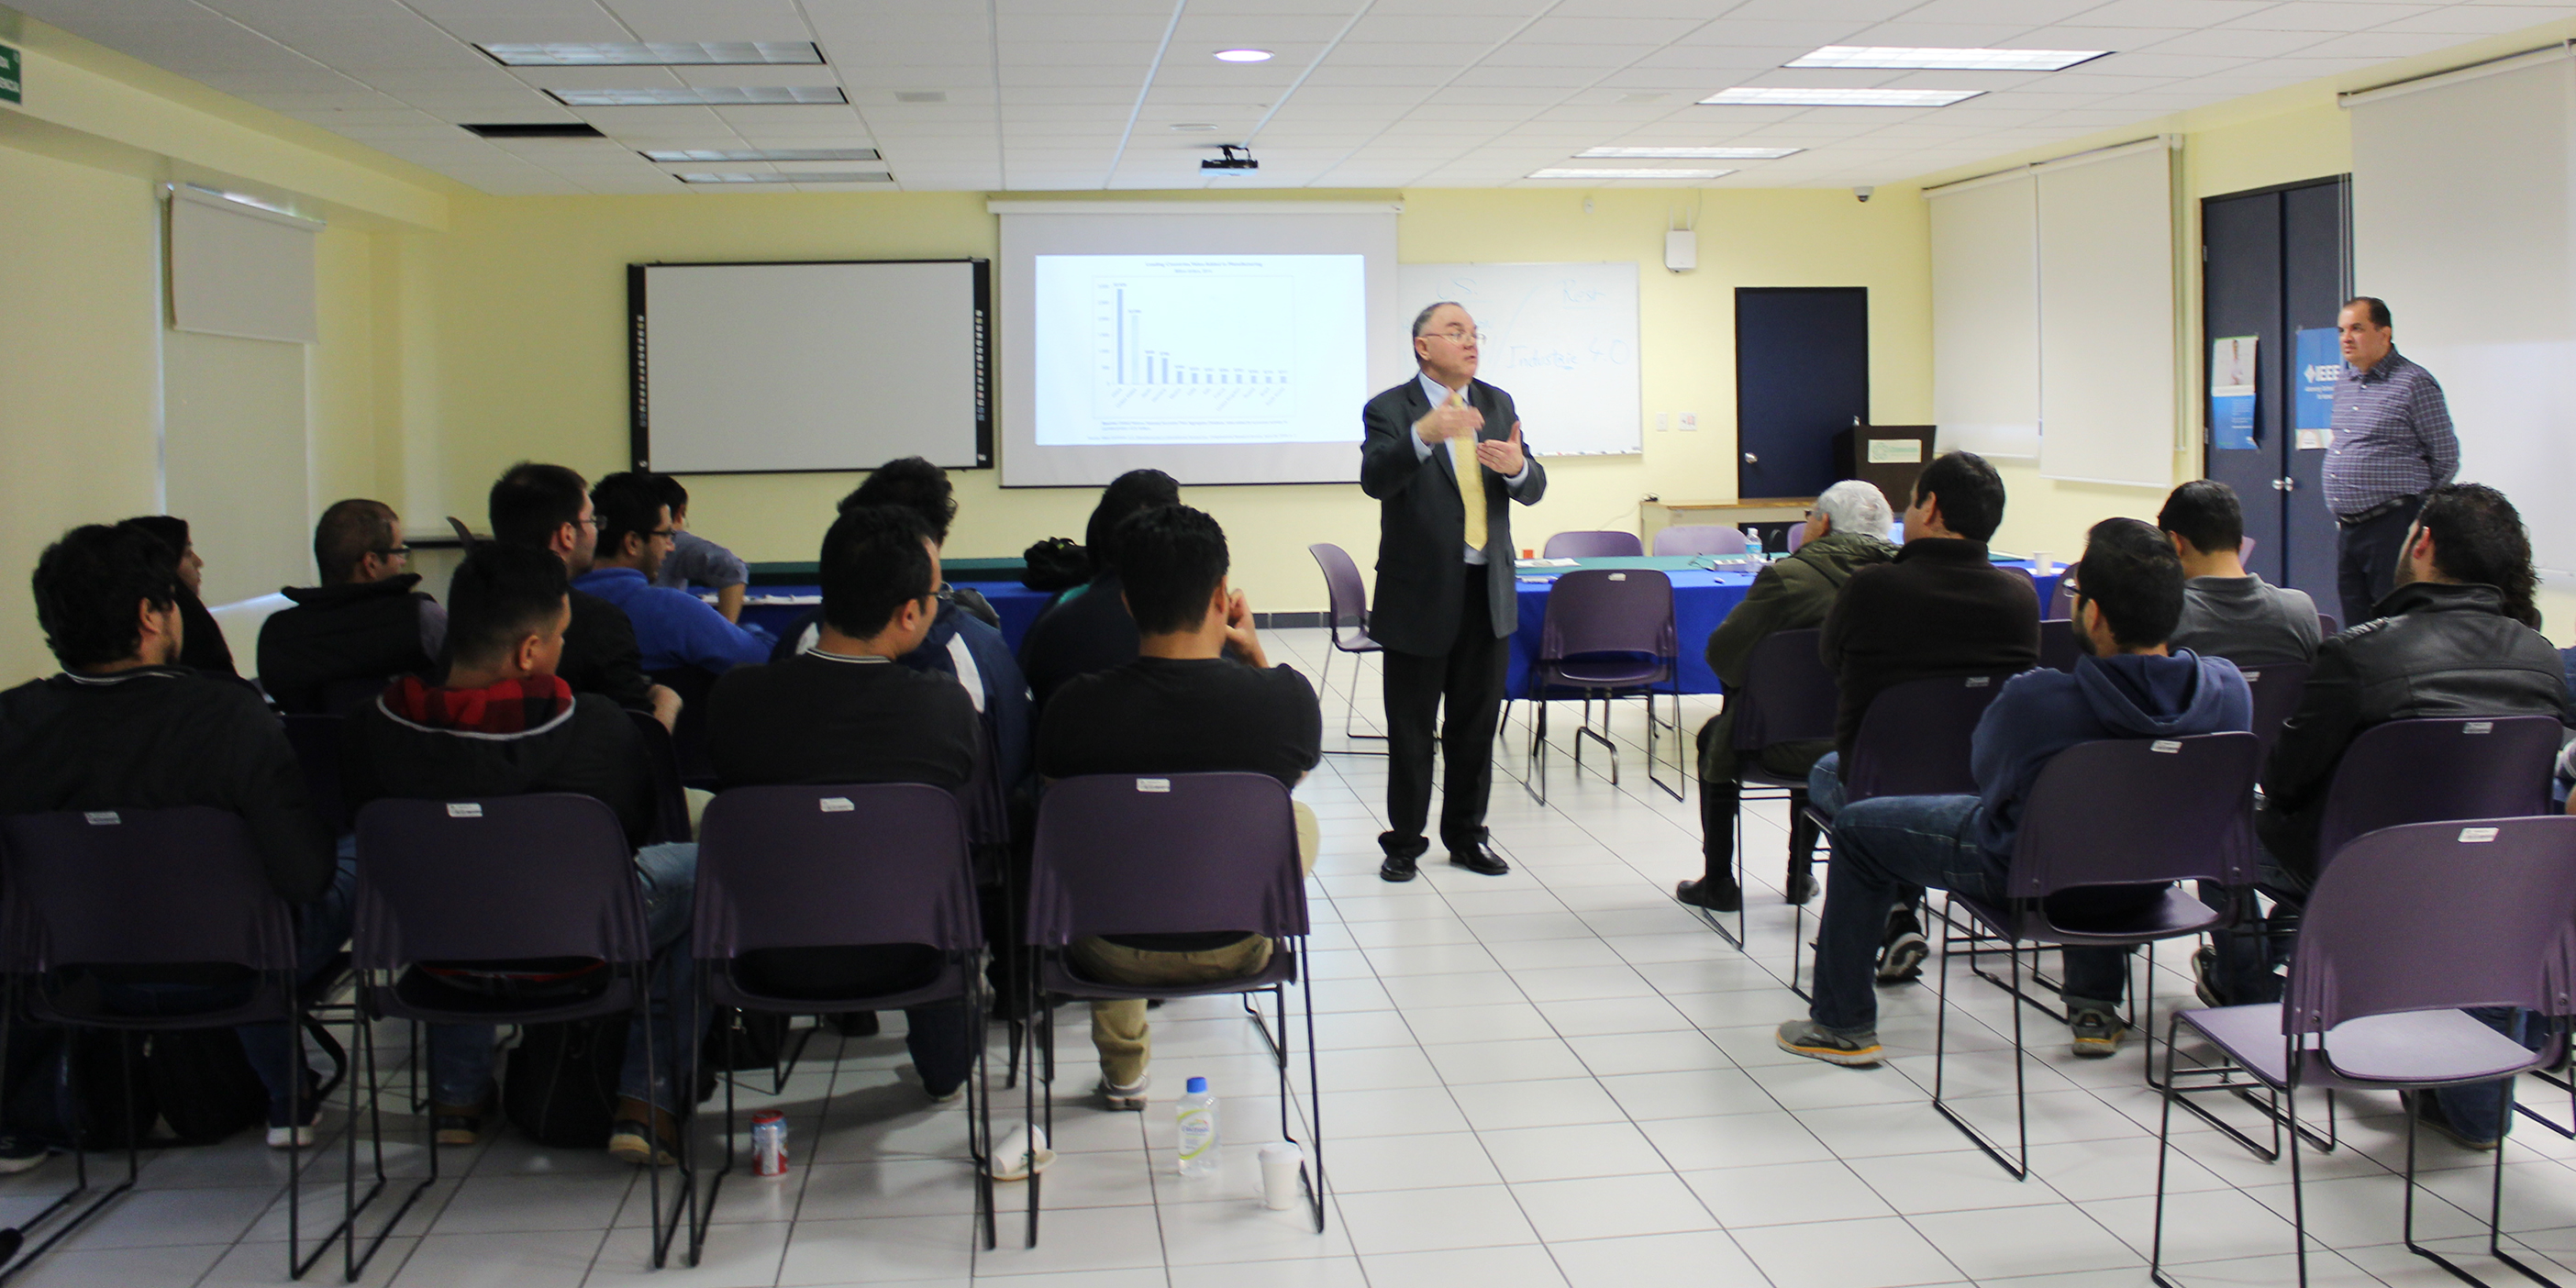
(1040, 94)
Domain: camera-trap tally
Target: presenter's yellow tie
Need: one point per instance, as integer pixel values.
(1471, 480)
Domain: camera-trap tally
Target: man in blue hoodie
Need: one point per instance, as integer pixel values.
(2128, 595)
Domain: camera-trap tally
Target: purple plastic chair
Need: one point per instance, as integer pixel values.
(1346, 597)
(2129, 812)
(544, 877)
(1788, 696)
(1123, 854)
(1608, 634)
(1797, 536)
(2058, 649)
(1700, 539)
(158, 887)
(2061, 601)
(2423, 771)
(316, 740)
(2276, 687)
(1593, 545)
(2327, 624)
(837, 866)
(2396, 945)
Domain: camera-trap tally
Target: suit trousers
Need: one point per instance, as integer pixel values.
(1469, 679)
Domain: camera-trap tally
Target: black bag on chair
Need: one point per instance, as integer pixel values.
(561, 1084)
(1055, 564)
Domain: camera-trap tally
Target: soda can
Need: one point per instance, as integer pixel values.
(769, 1143)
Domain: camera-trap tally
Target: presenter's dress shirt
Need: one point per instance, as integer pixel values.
(1438, 393)
(2392, 436)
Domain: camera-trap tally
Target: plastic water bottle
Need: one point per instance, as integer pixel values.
(1198, 1130)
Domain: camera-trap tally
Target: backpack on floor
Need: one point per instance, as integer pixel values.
(204, 1084)
(560, 1086)
(61, 1080)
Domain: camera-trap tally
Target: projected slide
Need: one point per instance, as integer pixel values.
(1143, 349)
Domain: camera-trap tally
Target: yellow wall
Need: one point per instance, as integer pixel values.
(532, 357)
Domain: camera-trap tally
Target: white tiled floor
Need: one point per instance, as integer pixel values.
(1552, 1078)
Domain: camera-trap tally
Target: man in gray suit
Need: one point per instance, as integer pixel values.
(1444, 607)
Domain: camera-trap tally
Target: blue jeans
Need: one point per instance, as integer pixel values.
(460, 1055)
(1885, 847)
(321, 927)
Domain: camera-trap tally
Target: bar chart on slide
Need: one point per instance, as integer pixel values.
(1200, 351)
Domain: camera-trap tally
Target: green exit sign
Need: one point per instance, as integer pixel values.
(10, 76)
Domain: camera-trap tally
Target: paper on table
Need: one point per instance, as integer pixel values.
(1546, 563)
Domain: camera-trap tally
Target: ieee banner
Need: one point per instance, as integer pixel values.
(2320, 356)
(2231, 393)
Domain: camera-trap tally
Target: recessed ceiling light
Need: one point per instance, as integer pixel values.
(1243, 55)
(706, 96)
(1948, 60)
(1194, 127)
(1695, 154)
(1785, 96)
(673, 156)
(1613, 172)
(788, 176)
(679, 53)
(921, 96)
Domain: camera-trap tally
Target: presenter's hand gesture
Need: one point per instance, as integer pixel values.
(1452, 419)
(1505, 457)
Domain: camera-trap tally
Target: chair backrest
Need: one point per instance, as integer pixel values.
(1135, 854)
(812, 867)
(662, 764)
(2139, 811)
(464, 535)
(2431, 916)
(140, 887)
(1605, 610)
(1914, 739)
(1344, 592)
(2061, 601)
(2058, 650)
(2245, 549)
(2276, 686)
(1797, 536)
(497, 879)
(1700, 539)
(2328, 626)
(2425, 771)
(1788, 694)
(318, 748)
(1593, 545)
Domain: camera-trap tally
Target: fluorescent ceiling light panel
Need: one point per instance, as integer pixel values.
(1614, 172)
(710, 96)
(788, 176)
(1694, 154)
(679, 53)
(1904, 58)
(674, 156)
(1243, 55)
(1786, 96)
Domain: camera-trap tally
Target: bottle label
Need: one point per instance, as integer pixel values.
(1197, 1134)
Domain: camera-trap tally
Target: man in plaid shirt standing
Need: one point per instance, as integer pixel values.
(2392, 444)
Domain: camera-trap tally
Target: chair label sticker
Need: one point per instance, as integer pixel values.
(465, 809)
(2478, 726)
(102, 818)
(1618, 576)
(837, 805)
(2253, 677)
(2166, 745)
(1153, 784)
(1980, 681)
(2474, 835)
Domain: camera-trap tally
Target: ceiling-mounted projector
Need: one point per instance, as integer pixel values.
(1237, 157)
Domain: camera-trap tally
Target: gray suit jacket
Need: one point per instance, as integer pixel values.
(1421, 551)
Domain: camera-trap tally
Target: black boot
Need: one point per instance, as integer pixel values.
(1800, 886)
(1716, 889)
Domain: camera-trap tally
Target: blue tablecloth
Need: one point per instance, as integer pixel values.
(1702, 597)
(777, 607)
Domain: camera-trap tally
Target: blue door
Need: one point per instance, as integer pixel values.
(1801, 377)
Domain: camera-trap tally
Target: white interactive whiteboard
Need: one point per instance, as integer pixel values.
(1561, 339)
(776, 368)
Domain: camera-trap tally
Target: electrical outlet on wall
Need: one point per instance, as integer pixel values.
(1663, 421)
(1690, 422)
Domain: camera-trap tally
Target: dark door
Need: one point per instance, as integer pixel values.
(1801, 376)
(2276, 262)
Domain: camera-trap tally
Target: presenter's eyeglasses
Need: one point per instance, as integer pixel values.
(1454, 336)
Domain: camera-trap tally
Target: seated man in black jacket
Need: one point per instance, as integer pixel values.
(125, 727)
(503, 723)
(2456, 637)
(365, 624)
(1087, 628)
(845, 711)
(204, 649)
(547, 507)
(1200, 697)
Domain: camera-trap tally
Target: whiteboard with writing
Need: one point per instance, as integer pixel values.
(1561, 339)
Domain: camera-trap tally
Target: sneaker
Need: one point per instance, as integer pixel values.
(1816, 1042)
(461, 1124)
(281, 1134)
(1901, 954)
(2427, 1109)
(1716, 894)
(857, 1024)
(2096, 1033)
(643, 1135)
(2204, 971)
(19, 1153)
(948, 1097)
(1801, 887)
(1128, 1097)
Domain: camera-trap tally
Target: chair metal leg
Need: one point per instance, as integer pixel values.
(1536, 783)
(2495, 1213)
(1350, 704)
(2018, 1165)
(1681, 753)
(2164, 1152)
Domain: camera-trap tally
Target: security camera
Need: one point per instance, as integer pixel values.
(1863, 192)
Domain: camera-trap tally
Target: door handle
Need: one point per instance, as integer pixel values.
(1751, 459)
(2286, 483)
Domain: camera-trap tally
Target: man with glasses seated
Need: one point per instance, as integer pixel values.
(548, 507)
(2128, 684)
(673, 628)
(367, 621)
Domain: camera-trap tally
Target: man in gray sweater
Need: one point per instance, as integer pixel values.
(2226, 611)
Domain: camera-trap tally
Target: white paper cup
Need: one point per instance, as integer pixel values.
(1280, 1163)
(2041, 563)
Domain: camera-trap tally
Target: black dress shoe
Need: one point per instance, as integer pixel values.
(1398, 867)
(1481, 860)
(1717, 894)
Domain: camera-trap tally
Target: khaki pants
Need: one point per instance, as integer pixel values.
(1118, 1028)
